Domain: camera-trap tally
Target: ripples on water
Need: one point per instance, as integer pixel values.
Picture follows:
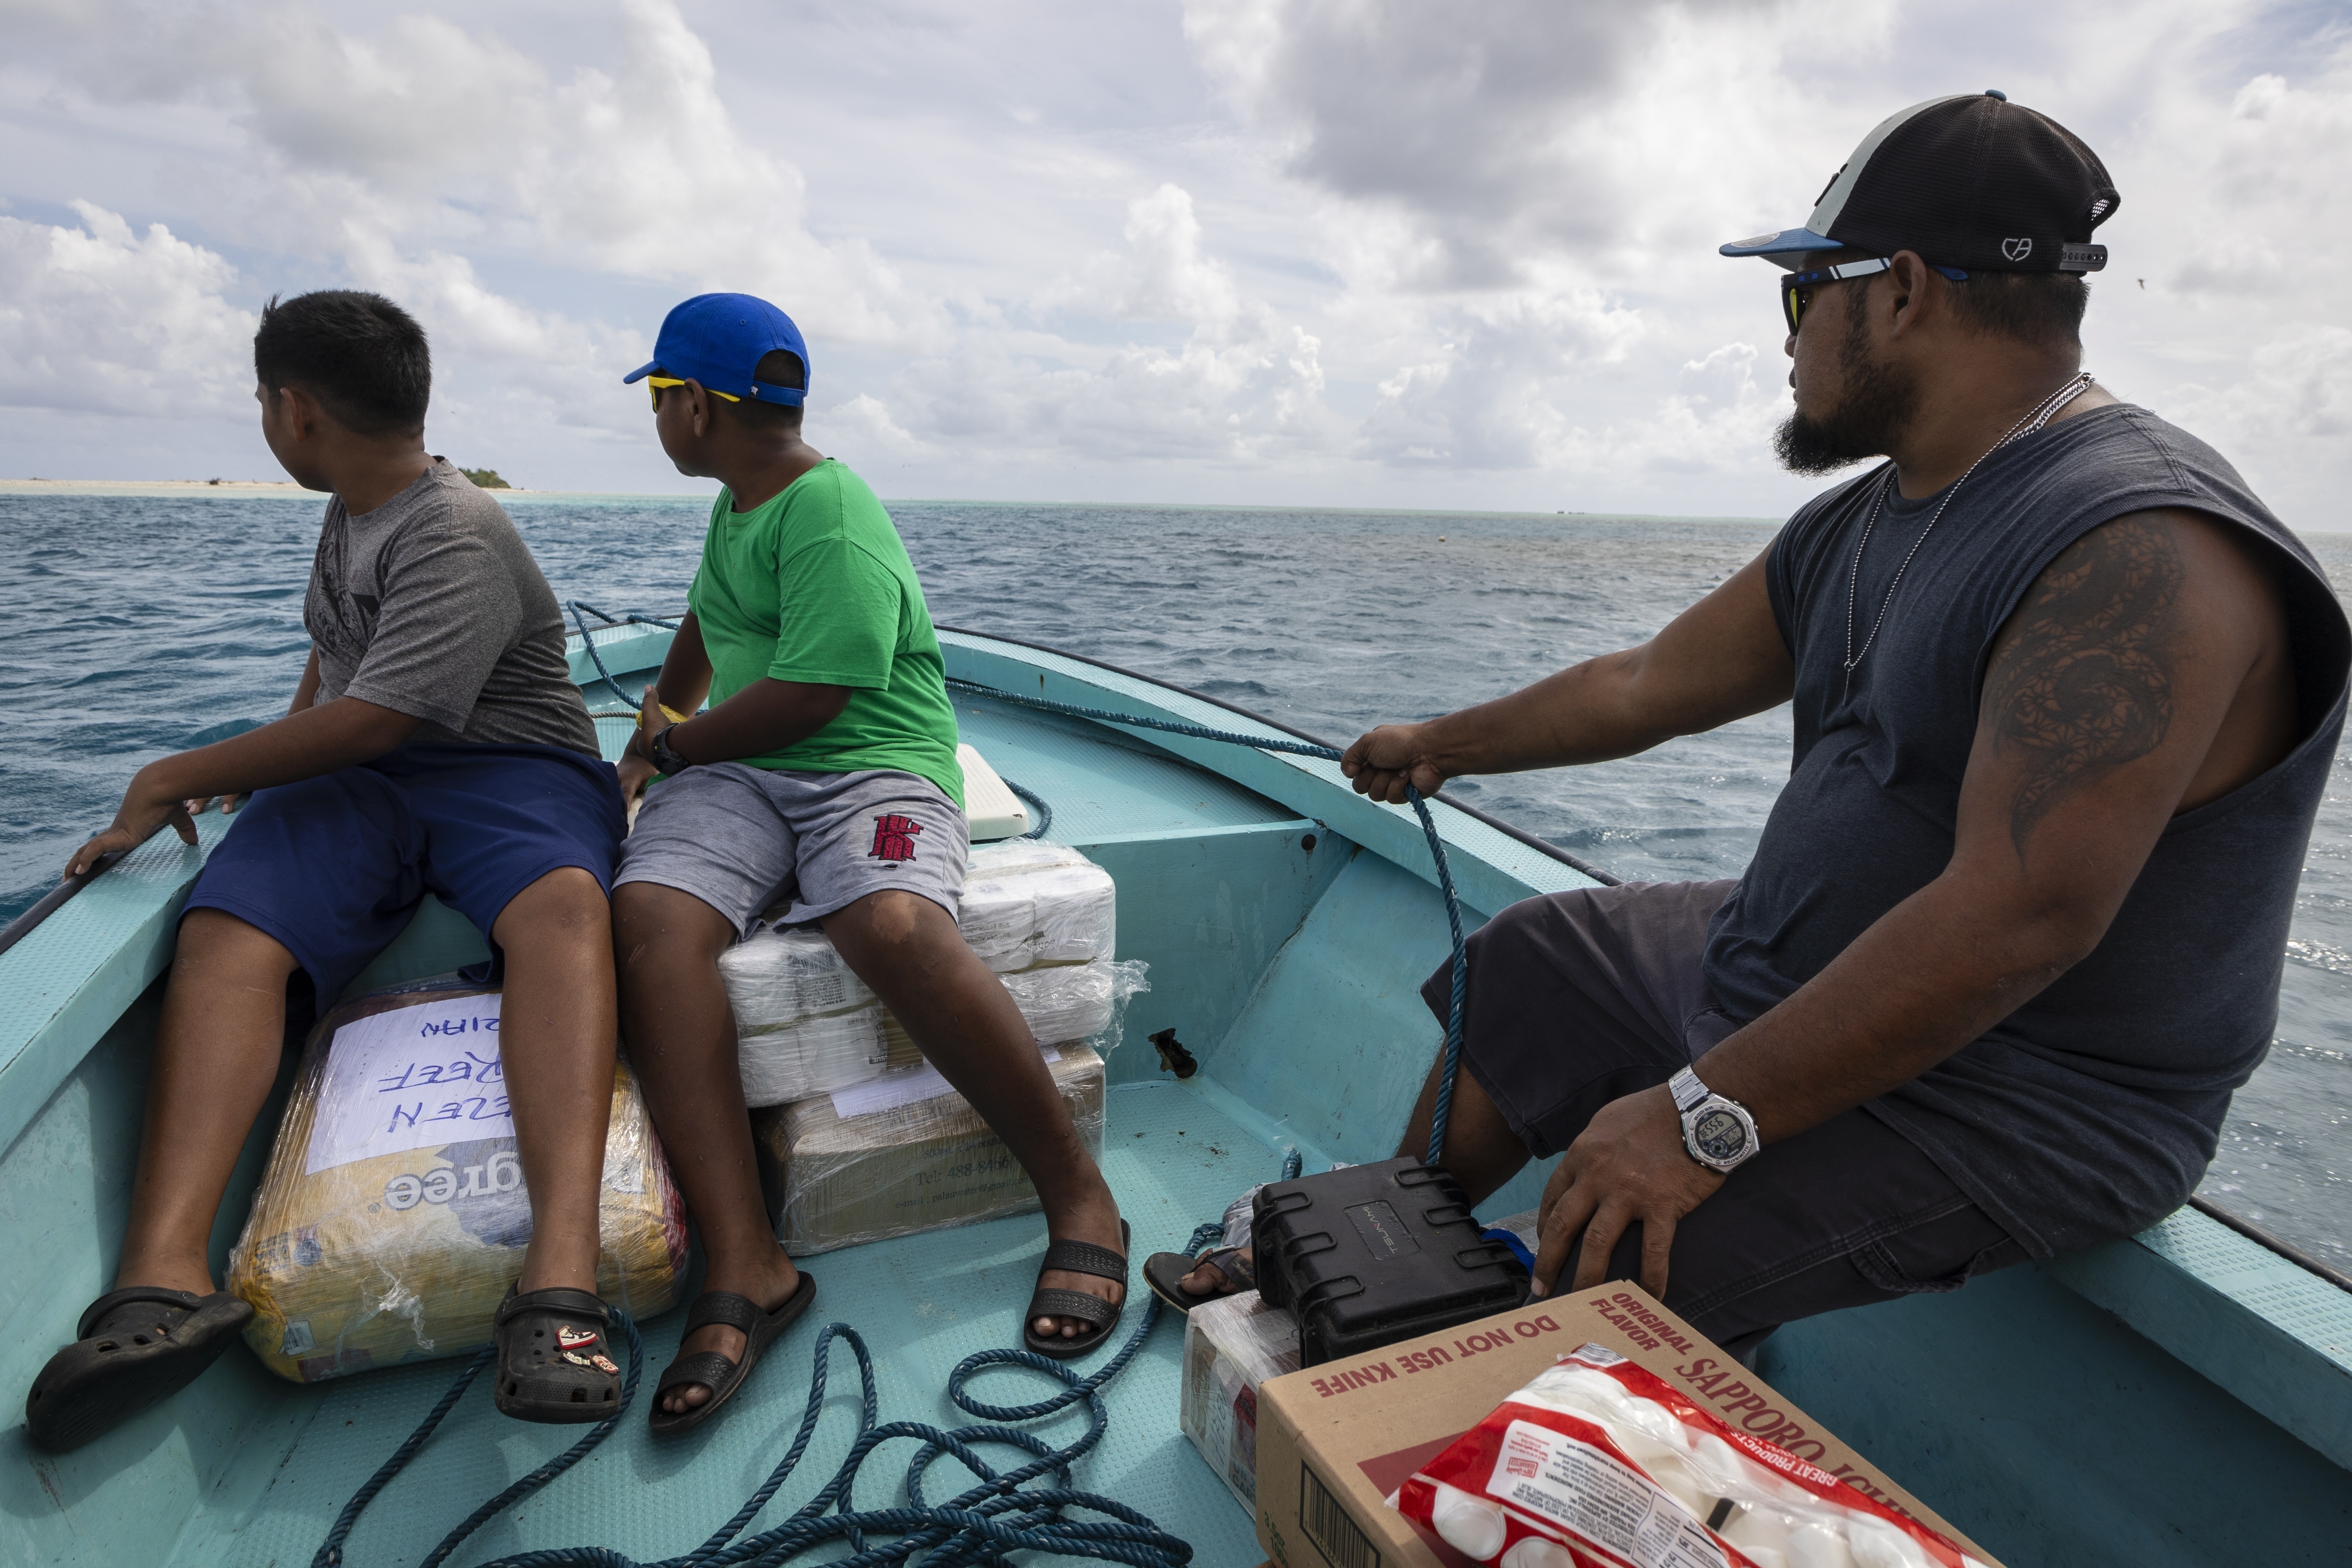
(134, 627)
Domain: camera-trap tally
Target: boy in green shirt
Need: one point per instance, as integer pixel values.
(825, 770)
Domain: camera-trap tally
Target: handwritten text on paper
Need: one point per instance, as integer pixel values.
(410, 1078)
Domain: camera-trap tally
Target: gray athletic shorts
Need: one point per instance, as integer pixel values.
(1576, 999)
(743, 839)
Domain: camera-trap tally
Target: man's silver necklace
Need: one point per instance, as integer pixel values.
(2034, 418)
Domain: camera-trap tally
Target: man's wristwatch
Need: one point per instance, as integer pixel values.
(1716, 1131)
(666, 760)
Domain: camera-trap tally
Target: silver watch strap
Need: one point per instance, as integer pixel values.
(1688, 1092)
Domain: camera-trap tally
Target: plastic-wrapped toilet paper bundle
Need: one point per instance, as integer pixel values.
(1061, 1002)
(1027, 902)
(1598, 1461)
(1040, 914)
(904, 1154)
(1232, 1344)
(392, 1216)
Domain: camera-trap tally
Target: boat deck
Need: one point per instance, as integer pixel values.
(923, 1303)
(2099, 1407)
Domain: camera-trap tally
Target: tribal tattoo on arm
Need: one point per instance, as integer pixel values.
(2081, 683)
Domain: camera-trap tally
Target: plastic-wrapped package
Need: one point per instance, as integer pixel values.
(1027, 902)
(834, 1050)
(1040, 914)
(393, 1218)
(1060, 1002)
(840, 1175)
(1232, 1344)
(782, 974)
(1598, 1461)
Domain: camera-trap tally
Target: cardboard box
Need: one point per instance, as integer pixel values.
(1233, 1345)
(1334, 1440)
(835, 1180)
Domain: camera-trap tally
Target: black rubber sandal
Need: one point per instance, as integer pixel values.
(131, 1348)
(1076, 1257)
(1165, 1271)
(713, 1370)
(555, 1363)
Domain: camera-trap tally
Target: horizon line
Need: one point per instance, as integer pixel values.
(287, 490)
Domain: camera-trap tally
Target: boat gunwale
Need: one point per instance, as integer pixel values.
(2175, 1284)
(1572, 861)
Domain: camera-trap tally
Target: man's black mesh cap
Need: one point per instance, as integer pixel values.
(1973, 182)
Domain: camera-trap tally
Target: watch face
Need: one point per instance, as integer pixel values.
(1719, 1135)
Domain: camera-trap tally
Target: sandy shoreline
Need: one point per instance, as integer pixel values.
(155, 487)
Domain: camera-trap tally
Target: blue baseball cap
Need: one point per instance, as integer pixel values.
(718, 339)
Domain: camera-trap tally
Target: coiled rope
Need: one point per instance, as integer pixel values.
(1442, 1110)
(1002, 1513)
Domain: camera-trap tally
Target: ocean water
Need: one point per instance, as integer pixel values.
(131, 628)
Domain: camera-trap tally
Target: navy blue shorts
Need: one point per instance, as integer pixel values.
(333, 866)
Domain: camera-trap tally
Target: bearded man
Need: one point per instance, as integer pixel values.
(2065, 695)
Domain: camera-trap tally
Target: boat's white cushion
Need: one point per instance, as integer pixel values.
(993, 811)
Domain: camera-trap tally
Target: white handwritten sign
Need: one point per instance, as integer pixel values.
(411, 1078)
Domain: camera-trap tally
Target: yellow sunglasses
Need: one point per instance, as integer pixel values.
(653, 384)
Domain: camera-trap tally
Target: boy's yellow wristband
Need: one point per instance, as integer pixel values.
(668, 713)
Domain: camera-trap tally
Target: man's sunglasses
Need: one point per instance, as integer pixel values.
(653, 384)
(1797, 289)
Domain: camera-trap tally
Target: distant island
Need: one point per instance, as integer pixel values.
(487, 479)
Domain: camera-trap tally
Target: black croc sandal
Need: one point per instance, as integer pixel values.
(1076, 1257)
(1165, 1271)
(555, 1360)
(760, 1328)
(131, 1348)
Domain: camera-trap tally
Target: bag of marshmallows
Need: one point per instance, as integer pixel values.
(1598, 1463)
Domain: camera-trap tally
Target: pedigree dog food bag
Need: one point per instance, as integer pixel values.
(392, 1216)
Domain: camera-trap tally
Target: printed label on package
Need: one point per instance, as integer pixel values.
(1594, 1496)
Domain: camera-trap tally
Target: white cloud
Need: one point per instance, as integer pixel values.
(1344, 250)
(1242, 387)
(99, 320)
(1491, 396)
(430, 135)
(1165, 272)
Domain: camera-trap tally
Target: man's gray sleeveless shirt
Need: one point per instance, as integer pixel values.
(2093, 1109)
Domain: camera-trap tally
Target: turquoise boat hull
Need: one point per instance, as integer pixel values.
(2182, 1397)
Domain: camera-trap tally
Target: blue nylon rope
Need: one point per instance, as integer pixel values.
(1043, 810)
(590, 644)
(331, 1553)
(1002, 1513)
(1443, 1109)
(633, 618)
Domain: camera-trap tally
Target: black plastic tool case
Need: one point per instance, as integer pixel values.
(1374, 1254)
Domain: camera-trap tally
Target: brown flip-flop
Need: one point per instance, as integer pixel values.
(1164, 1273)
(761, 1328)
(1076, 1257)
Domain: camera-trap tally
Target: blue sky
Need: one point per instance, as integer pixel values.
(1346, 252)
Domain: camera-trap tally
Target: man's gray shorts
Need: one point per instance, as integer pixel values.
(743, 839)
(1579, 998)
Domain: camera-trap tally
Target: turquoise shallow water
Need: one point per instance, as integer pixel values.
(133, 627)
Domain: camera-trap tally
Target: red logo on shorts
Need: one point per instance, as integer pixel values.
(894, 838)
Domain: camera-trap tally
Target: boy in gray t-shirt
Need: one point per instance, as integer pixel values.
(436, 743)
